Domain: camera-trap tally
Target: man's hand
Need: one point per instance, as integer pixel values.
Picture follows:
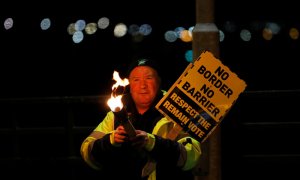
(120, 135)
(140, 140)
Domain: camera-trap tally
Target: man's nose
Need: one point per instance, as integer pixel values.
(143, 83)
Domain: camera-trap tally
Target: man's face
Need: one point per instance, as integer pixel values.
(144, 85)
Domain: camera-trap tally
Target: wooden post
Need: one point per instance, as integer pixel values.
(206, 38)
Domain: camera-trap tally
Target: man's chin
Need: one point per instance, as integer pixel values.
(146, 103)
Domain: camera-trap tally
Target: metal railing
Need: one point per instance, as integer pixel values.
(49, 130)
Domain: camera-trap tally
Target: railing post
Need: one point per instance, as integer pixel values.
(206, 38)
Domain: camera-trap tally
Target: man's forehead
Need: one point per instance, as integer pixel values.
(142, 70)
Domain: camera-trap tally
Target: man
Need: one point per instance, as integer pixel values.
(150, 154)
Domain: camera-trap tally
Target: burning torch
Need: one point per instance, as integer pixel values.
(116, 105)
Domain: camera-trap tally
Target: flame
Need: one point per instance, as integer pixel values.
(115, 103)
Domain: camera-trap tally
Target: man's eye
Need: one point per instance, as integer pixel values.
(150, 77)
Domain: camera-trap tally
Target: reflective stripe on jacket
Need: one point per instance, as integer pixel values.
(190, 153)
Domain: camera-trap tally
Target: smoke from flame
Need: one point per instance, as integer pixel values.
(115, 103)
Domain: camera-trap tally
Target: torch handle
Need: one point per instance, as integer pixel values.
(125, 119)
(129, 127)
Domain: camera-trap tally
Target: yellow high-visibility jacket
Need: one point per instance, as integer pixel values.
(161, 158)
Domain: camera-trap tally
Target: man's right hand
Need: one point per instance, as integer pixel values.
(119, 136)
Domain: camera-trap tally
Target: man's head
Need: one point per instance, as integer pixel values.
(144, 83)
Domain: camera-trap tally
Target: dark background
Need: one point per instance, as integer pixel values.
(49, 63)
(50, 86)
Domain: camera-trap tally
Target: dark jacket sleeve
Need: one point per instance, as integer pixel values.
(165, 151)
(102, 149)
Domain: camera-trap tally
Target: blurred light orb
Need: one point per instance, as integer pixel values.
(134, 29)
(294, 33)
(8, 23)
(274, 27)
(120, 30)
(171, 36)
(189, 56)
(178, 31)
(222, 35)
(245, 35)
(71, 29)
(103, 23)
(77, 37)
(185, 36)
(91, 28)
(145, 29)
(267, 34)
(80, 25)
(45, 24)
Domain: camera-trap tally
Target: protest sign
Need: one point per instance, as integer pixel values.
(201, 96)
